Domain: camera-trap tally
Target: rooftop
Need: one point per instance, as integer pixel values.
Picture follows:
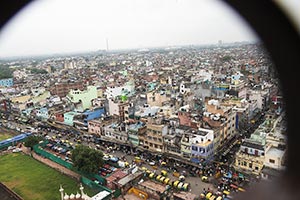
(153, 186)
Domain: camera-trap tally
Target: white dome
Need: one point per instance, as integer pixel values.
(66, 197)
(78, 196)
(72, 196)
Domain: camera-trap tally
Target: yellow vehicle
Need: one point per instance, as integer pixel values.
(180, 185)
(166, 181)
(241, 189)
(208, 195)
(218, 175)
(137, 159)
(144, 169)
(139, 193)
(151, 175)
(176, 183)
(186, 186)
(226, 192)
(127, 164)
(164, 172)
(219, 198)
(162, 179)
(148, 172)
(158, 177)
(204, 179)
(213, 197)
(176, 174)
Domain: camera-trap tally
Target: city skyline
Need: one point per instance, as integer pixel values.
(118, 25)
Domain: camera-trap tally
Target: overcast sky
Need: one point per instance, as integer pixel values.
(60, 26)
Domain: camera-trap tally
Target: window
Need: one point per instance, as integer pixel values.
(272, 161)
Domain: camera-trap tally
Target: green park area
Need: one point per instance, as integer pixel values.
(33, 180)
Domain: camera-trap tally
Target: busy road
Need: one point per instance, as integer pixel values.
(151, 161)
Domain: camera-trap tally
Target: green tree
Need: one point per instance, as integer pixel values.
(86, 159)
(32, 140)
(5, 72)
(226, 58)
(38, 71)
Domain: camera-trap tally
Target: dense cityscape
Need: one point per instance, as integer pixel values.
(184, 122)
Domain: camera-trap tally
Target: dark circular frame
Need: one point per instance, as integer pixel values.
(281, 40)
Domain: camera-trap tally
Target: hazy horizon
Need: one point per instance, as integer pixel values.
(65, 27)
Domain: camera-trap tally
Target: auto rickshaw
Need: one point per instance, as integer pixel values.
(176, 183)
(180, 185)
(166, 181)
(204, 179)
(181, 178)
(208, 195)
(144, 169)
(158, 177)
(176, 174)
(185, 187)
(152, 175)
(164, 172)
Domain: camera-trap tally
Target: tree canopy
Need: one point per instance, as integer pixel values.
(5, 72)
(38, 71)
(32, 140)
(86, 159)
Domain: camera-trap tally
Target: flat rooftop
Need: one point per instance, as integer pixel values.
(153, 186)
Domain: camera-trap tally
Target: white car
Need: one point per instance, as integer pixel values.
(152, 163)
(16, 150)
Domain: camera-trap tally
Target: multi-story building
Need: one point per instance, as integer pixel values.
(8, 82)
(82, 99)
(226, 115)
(155, 132)
(119, 108)
(157, 98)
(202, 144)
(63, 88)
(136, 133)
(250, 157)
(96, 126)
(116, 132)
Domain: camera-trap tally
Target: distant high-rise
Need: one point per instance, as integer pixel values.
(220, 42)
(106, 44)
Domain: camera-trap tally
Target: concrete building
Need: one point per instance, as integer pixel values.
(155, 132)
(8, 82)
(69, 117)
(62, 88)
(226, 114)
(157, 98)
(202, 144)
(135, 131)
(83, 99)
(96, 126)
